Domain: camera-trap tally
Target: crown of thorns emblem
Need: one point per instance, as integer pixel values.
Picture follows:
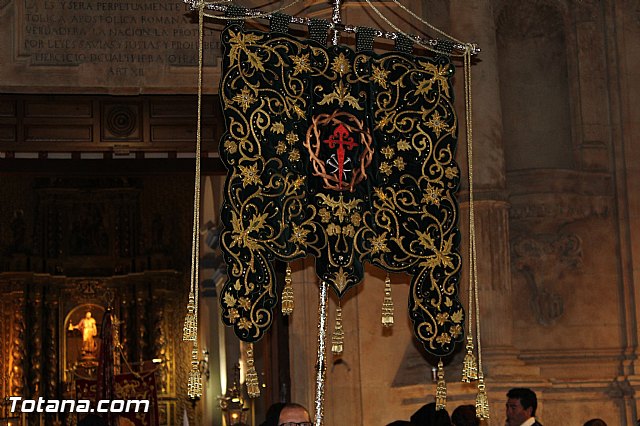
(348, 135)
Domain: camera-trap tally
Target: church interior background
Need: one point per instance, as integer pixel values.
(97, 136)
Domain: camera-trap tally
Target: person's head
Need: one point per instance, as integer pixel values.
(400, 423)
(273, 414)
(294, 415)
(88, 315)
(521, 405)
(427, 415)
(465, 415)
(595, 422)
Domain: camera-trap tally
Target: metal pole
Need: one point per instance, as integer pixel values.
(335, 18)
(321, 366)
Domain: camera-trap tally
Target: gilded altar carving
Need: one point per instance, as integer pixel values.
(141, 322)
(35, 343)
(4, 340)
(125, 319)
(18, 351)
(160, 343)
(51, 349)
(39, 354)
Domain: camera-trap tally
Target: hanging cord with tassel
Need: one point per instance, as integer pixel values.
(287, 293)
(387, 304)
(251, 379)
(190, 332)
(470, 363)
(482, 401)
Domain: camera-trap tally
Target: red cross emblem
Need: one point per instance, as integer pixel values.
(341, 139)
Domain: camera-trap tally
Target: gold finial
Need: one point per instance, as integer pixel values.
(482, 401)
(251, 379)
(194, 386)
(441, 389)
(189, 329)
(337, 340)
(469, 364)
(287, 293)
(387, 304)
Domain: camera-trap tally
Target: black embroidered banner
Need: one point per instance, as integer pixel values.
(347, 156)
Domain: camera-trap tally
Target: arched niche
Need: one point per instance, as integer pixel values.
(534, 87)
(75, 358)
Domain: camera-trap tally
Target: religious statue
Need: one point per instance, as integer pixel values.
(87, 327)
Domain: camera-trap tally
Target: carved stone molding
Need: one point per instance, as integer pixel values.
(542, 259)
(121, 122)
(620, 388)
(566, 195)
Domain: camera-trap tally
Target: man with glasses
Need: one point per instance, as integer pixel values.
(294, 415)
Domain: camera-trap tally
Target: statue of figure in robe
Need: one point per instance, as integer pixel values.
(87, 326)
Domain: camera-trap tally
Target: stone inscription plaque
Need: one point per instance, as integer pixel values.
(115, 43)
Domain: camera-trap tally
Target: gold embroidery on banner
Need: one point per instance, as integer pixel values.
(284, 198)
(341, 95)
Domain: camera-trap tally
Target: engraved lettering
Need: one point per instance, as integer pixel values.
(118, 38)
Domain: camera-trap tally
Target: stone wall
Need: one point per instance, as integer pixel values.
(556, 92)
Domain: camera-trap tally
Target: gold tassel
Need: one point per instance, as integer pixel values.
(337, 340)
(482, 401)
(387, 304)
(194, 386)
(469, 364)
(441, 389)
(287, 293)
(189, 330)
(251, 379)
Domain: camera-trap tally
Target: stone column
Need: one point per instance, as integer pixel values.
(473, 21)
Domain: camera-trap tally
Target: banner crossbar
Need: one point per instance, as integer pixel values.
(340, 27)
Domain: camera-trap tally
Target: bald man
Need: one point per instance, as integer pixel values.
(294, 415)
